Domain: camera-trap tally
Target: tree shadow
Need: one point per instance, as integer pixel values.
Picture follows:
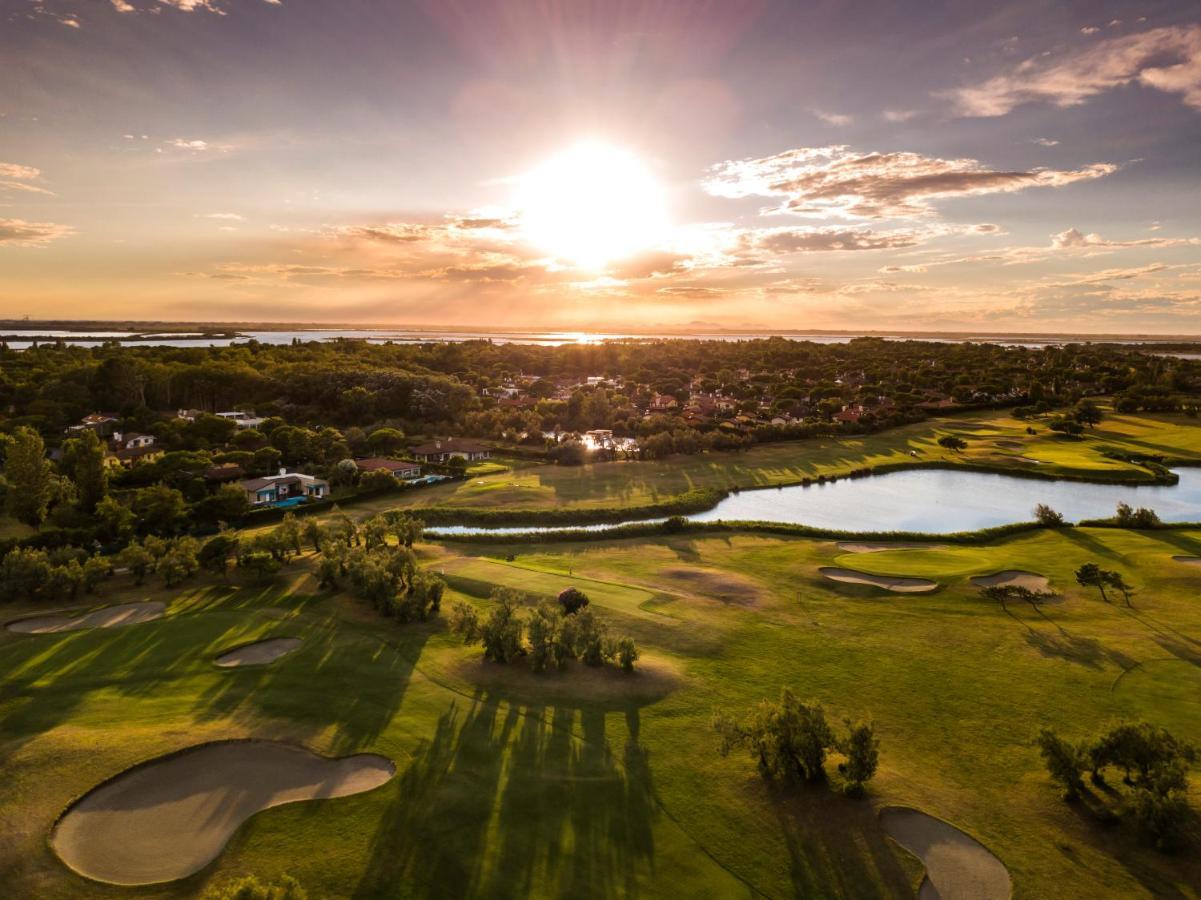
(836, 847)
(505, 801)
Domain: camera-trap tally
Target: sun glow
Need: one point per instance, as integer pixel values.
(591, 205)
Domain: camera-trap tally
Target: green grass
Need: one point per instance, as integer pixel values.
(597, 784)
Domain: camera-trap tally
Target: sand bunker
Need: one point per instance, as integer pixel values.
(1031, 581)
(172, 816)
(881, 547)
(723, 586)
(259, 653)
(108, 617)
(957, 865)
(1188, 560)
(895, 583)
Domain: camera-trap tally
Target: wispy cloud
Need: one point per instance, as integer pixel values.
(16, 177)
(822, 181)
(833, 118)
(1167, 59)
(19, 233)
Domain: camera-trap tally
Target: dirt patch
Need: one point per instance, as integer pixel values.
(881, 547)
(723, 586)
(958, 867)
(260, 653)
(1188, 560)
(108, 617)
(898, 584)
(1031, 581)
(170, 817)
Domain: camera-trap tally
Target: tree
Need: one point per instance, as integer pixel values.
(1092, 575)
(179, 562)
(501, 631)
(83, 461)
(1048, 517)
(627, 654)
(377, 480)
(386, 441)
(228, 504)
(1065, 762)
(572, 600)
(160, 509)
(861, 747)
(137, 559)
(951, 442)
(787, 738)
(29, 476)
(1128, 517)
(115, 519)
(95, 570)
(1088, 413)
(1118, 583)
(214, 556)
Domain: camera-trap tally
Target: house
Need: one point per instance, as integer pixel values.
(131, 441)
(128, 457)
(406, 471)
(450, 448)
(661, 402)
(224, 473)
(275, 489)
(242, 419)
(103, 424)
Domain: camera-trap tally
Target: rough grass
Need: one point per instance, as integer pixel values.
(513, 785)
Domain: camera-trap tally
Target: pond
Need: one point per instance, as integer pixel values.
(934, 501)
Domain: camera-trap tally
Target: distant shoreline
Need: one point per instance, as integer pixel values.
(137, 331)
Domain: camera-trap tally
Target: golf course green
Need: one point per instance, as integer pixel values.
(598, 783)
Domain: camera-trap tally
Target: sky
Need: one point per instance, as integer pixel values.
(604, 164)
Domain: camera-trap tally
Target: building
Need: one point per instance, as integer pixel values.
(128, 457)
(275, 489)
(131, 441)
(224, 473)
(401, 469)
(450, 448)
(103, 424)
(242, 419)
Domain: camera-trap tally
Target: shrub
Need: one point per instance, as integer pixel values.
(572, 600)
(251, 888)
(1065, 762)
(1048, 517)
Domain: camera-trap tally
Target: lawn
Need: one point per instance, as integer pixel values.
(598, 784)
(993, 439)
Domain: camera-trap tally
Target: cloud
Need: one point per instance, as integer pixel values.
(1073, 239)
(1045, 142)
(212, 6)
(1167, 59)
(835, 180)
(899, 115)
(19, 233)
(16, 177)
(831, 118)
(223, 216)
(122, 6)
(816, 240)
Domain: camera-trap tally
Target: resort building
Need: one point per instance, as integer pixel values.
(286, 487)
(450, 448)
(401, 469)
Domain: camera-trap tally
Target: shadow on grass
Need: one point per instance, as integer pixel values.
(508, 802)
(836, 847)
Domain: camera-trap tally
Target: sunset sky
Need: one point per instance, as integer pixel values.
(1019, 166)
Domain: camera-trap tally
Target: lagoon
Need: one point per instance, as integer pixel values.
(932, 501)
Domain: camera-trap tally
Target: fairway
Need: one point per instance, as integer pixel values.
(565, 784)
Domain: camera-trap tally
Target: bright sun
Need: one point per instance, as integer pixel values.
(591, 205)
